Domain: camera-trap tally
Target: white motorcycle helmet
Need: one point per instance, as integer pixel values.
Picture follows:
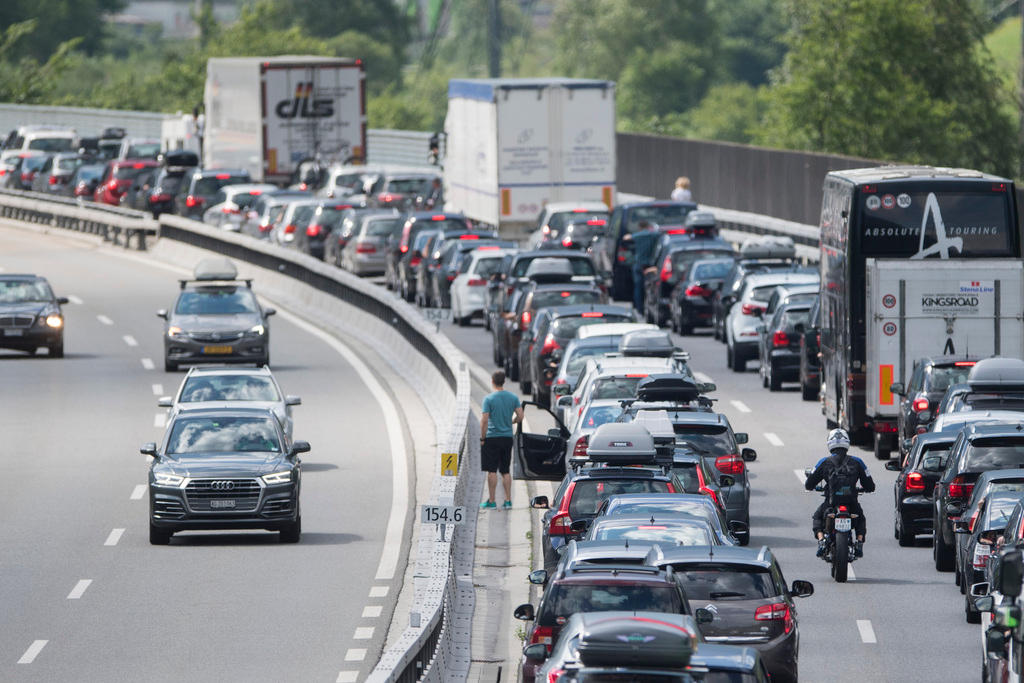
(838, 438)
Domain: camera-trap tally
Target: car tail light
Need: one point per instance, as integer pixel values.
(842, 508)
(597, 221)
(730, 464)
(476, 282)
(524, 320)
(960, 488)
(365, 248)
(289, 229)
(707, 490)
(404, 248)
(542, 634)
(666, 270)
(981, 554)
(255, 193)
(388, 197)
(880, 427)
(153, 198)
(52, 180)
(553, 675)
(192, 201)
(920, 404)
(696, 290)
(579, 451)
(228, 209)
(775, 612)
(676, 231)
(414, 260)
(450, 278)
(621, 255)
(964, 364)
(636, 375)
(560, 524)
(592, 314)
(466, 237)
(549, 345)
(223, 176)
(566, 241)
(974, 519)
(780, 338)
(112, 185)
(437, 217)
(313, 230)
(265, 227)
(914, 483)
(750, 309)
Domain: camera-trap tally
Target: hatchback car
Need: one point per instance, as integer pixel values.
(454, 255)
(366, 252)
(741, 335)
(920, 396)
(198, 192)
(30, 315)
(224, 469)
(468, 291)
(757, 255)
(56, 173)
(671, 263)
(231, 204)
(118, 177)
(779, 345)
(84, 180)
(556, 216)
(913, 487)
(690, 299)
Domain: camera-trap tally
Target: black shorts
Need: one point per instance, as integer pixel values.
(496, 454)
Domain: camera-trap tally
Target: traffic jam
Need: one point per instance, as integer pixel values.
(650, 566)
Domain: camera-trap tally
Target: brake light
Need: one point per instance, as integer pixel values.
(636, 375)
(696, 290)
(920, 404)
(414, 260)
(553, 675)
(579, 210)
(775, 612)
(524, 320)
(476, 282)
(964, 364)
(960, 488)
(313, 230)
(842, 508)
(488, 247)
(290, 228)
(621, 255)
(730, 464)
(365, 248)
(676, 231)
(52, 180)
(112, 185)
(227, 209)
(884, 427)
(592, 314)
(550, 345)
(469, 237)
(192, 201)
(437, 218)
(153, 198)
(449, 277)
(220, 176)
(974, 519)
(780, 338)
(404, 248)
(580, 449)
(705, 489)
(385, 197)
(560, 524)
(666, 269)
(255, 193)
(914, 483)
(542, 634)
(597, 221)
(566, 241)
(749, 309)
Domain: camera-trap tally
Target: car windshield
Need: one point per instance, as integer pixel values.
(938, 379)
(677, 534)
(51, 144)
(726, 582)
(216, 301)
(24, 291)
(487, 266)
(580, 266)
(1001, 401)
(193, 435)
(410, 186)
(588, 494)
(1001, 507)
(351, 181)
(994, 454)
(208, 186)
(564, 298)
(616, 387)
(229, 388)
(599, 415)
(579, 357)
(706, 439)
(568, 326)
(382, 227)
(566, 600)
(715, 270)
(144, 150)
(559, 220)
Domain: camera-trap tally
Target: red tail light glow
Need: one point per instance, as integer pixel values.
(192, 201)
(549, 344)
(140, 165)
(476, 282)
(592, 314)
(566, 241)
(780, 338)
(964, 364)
(554, 675)
(676, 231)
(469, 237)
(580, 449)
(524, 320)
(597, 221)
(920, 404)
(289, 229)
(222, 176)
(666, 270)
(313, 230)
(730, 464)
(414, 260)
(404, 248)
(696, 290)
(112, 185)
(776, 612)
(365, 248)
(52, 180)
(749, 309)
(914, 483)
(960, 488)
(439, 217)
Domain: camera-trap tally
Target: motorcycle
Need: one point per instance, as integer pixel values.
(840, 543)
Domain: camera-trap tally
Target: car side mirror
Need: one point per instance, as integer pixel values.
(540, 503)
(737, 527)
(524, 612)
(898, 388)
(580, 526)
(564, 402)
(802, 589)
(1008, 573)
(165, 402)
(148, 448)
(704, 616)
(741, 437)
(299, 447)
(707, 388)
(985, 603)
(980, 590)
(293, 400)
(162, 313)
(725, 481)
(62, 300)
(748, 455)
(893, 466)
(537, 652)
(995, 640)
(267, 312)
(539, 577)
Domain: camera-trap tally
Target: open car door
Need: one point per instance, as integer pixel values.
(539, 456)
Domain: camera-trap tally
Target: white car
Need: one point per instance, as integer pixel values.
(600, 411)
(741, 335)
(468, 290)
(231, 205)
(558, 215)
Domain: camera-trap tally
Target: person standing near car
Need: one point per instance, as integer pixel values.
(682, 193)
(501, 409)
(645, 239)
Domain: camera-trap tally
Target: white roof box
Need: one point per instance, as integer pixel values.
(768, 247)
(215, 269)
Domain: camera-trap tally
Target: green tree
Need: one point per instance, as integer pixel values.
(904, 80)
(59, 21)
(23, 79)
(731, 112)
(383, 20)
(752, 33)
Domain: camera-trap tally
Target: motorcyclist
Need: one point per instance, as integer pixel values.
(841, 472)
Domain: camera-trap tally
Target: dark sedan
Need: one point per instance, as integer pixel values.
(398, 249)
(913, 486)
(224, 469)
(919, 397)
(779, 345)
(198, 191)
(976, 533)
(30, 315)
(671, 261)
(810, 346)
(690, 300)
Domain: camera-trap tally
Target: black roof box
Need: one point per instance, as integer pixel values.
(622, 443)
(544, 270)
(768, 247)
(667, 387)
(997, 374)
(648, 343)
(634, 641)
(700, 219)
(180, 157)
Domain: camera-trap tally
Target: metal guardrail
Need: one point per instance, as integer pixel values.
(114, 224)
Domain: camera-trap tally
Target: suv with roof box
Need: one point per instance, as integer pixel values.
(919, 398)
(764, 254)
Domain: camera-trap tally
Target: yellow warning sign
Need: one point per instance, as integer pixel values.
(450, 464)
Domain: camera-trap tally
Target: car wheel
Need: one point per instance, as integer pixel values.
(881, 452)
(495, 356)
(525, 385)
(941, 552)
(462, 321)
(673, 322)
(487, 321)
(170, 366)
(774, 383)
(685, 330)
(56, 350)
(762, 372)
(903, 537)
(291, 532)
(806, 393)
(158, 536)
(738, 364)
(728, 356)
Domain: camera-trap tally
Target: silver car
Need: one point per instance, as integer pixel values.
(366, 252)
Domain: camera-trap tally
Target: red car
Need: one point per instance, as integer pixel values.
(118, 177)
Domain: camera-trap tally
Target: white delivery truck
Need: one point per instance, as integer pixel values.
(268, 114)
(514, 145)
(936, 308)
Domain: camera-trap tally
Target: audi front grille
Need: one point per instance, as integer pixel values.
(211, 495)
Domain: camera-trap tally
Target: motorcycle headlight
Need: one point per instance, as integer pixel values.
(257, 330)
(167, 479)
(278, 477)
(54, 320)
(173, 331)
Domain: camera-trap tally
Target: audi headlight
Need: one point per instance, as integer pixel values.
(54, 320)
(278, 477)
(167, 479)
(257, 330)
(173, 331)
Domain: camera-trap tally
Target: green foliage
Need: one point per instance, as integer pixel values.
(23, 79)
(731, 112)
(891, 79)
(58, 21)
(1004, 45)
(752, 32)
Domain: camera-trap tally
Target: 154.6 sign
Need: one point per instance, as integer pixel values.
(442, 514)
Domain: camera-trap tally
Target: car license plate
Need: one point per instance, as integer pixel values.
(14, 333)
(217, 349)
(843, 523)
(222, 503)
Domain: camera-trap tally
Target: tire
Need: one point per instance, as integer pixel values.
(525, 385)
(170, 366)
(158, 536)
(292, 532)
(738, 364)
(495, 356)
(903, 537)
(774, 383)
(512, 371)
(462, 321)
(56, 350)
(881, 452)
(487, 321)
(943, 555)
(841, 558)
(685, 330)
(806, 393)
(673, 322)
(762, 372)
(728, 356)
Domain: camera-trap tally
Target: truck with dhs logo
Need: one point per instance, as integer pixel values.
(915, 262)
(269, 114)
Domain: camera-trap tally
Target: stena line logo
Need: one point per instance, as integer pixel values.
(303, 105)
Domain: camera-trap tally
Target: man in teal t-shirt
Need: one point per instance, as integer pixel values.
(501, 410)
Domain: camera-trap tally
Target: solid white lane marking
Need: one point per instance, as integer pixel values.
(393, 425)
(138, 492)
(347, 677)
(33, 651)
(105, 320)
(363, 633)
(867, 634)
(114, 537)
(800, 477)
(147, 363)
(159, 420)
(158, 389)
(79, 588)
(378, 591)
(701, 377)
(130, 340)
(74, 300)
(355, 654)
(372, 611)
(773, 438)
(740, 406)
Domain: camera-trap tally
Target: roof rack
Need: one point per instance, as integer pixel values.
(215, 270)
(619, 444)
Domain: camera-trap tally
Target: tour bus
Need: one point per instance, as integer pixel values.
(894, 216)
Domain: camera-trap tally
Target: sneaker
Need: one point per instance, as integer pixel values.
(822, 544)
(487, 504)
(507, 505)
(859, 548)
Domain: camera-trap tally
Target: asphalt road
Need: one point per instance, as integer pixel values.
(83, 596)
(898, 619)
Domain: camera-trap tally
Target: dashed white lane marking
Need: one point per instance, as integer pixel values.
(347, 677)
(701, 377)
(114, 537)
(363, 633)
(800, 477)
(105, 320)
(740, 406)
(79, 589)
(159, 420)
(138, 492)
(74, 299)
(355, 654)
(33, 651)
(130, 340)
(158, 389)
(867, 634)
(773, 438)
(378, 591)
(147, 363)
(372, 611)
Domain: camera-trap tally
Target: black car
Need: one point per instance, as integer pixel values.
(30, 315)
(689, 303)
(672, 260)
(756, 256)
(197, 191)
(430, 270)
(399, 250)
(810, 346)
(409, 264)
(216, 319)
(779, 345)
(744, 588)
(225, 468)
(84, 181)
(921, 468)
(455, 253)
(976, 533)
(328, 215)
(977, 449)
(919, 398)
(625, 220)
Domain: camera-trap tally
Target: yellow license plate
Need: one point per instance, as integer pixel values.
(217, 349)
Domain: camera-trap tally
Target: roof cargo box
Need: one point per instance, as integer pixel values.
(768, 247)
(634, 641)
(648, 343)
(544, 270)
(622, 443)
(215, 269)
(667, 387)
(180, 157)
(700, 219)
(660, 427)
(997, 374)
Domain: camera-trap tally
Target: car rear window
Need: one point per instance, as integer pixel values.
(588, 494)
(209, 185)
(487, 266)
(565, 600)
(130, 172)
(727, 582)
(934, 457)
(994, 454)
(711, 271)
(675, 534)
(51, 144)
(413, 186)
(243, 200)
(563, 218)
(706, 439)
(615, 387)
(937, 378)
(659, 215)
(762, 293)
(599, 415)
(1000, 508)
(382, 227)
(68, 164)
(792, 318)
(580, 266)
(228, 388)
(682, 258)
(1003, 401)
(564, 298)
(568, 326)
(580, 356)
(149, 150)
